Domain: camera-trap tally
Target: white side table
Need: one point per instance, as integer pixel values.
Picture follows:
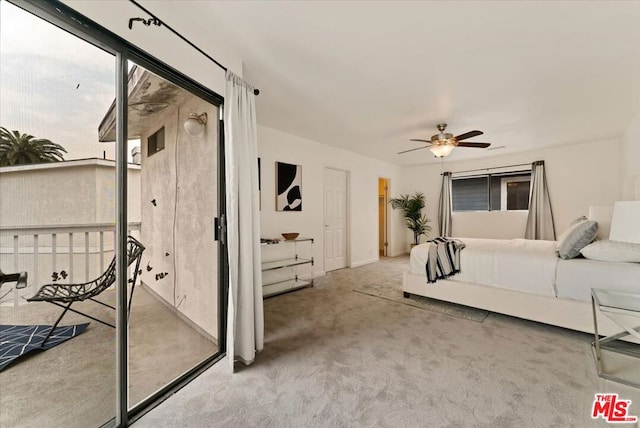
(289, 269)
(623, 308)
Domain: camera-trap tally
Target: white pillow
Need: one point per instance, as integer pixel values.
(576, 237)
(612, 251)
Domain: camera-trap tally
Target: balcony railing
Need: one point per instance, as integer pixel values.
(78, 252)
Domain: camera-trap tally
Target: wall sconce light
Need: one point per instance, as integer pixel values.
(194, 124)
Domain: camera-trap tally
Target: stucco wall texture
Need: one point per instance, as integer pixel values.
(178, 231)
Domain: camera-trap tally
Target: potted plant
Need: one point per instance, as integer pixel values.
(412, 207)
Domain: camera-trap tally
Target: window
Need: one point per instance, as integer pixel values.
(155, 142)
(492, 192)
(514, 192)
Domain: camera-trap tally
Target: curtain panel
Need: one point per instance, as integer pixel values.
(445, 206)
(245, 318)
(540, 223)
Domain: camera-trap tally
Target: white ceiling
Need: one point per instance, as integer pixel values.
(368, 76)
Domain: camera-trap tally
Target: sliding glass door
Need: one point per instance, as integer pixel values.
(116, 221)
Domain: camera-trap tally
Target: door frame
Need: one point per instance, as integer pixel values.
(387, 184)
(347, 217)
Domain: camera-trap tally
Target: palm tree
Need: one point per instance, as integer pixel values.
(20, 149)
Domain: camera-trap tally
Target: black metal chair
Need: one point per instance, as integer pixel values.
(64, 295)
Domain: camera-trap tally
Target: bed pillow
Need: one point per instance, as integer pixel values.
(574, 239)
(568, 230)
(612, 251)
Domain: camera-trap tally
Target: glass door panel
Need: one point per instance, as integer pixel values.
(173, 321)
(57, 223)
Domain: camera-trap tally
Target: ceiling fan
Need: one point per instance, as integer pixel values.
(443, 143)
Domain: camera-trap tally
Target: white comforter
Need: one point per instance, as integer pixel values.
(516, 264)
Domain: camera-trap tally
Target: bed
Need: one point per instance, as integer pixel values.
(525, 279)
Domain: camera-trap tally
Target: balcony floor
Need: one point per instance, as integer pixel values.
(73, 384)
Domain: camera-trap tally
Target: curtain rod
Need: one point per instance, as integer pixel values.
(157, 21)
(495, 167)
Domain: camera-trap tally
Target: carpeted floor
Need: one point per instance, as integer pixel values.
(336, 358)
(393, 292)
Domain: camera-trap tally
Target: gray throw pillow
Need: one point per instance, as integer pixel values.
(578, 236)
(568, 230)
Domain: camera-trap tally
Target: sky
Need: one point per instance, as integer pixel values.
(53, 85)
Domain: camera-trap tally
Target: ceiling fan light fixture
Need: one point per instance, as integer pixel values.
(441, 150)
(442, 144)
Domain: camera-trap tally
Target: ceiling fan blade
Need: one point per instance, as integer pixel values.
(469, 134)
(422, 141)
(476, 145)
(410, 150)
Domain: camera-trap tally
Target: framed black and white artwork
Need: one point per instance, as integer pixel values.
(288, 187)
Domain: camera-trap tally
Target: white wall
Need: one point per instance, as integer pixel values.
(275, 146)
(489, 224)
(181, 224)
(631, 156)
(578, 176)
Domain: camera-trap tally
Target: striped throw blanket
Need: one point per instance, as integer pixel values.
(444, 258)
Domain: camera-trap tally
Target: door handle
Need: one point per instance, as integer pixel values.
(220, 229)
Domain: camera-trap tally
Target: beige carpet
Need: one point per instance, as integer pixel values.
(393, 292)
(335, 358)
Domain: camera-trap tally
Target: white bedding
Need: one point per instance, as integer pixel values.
(576, 277)
(515, 264)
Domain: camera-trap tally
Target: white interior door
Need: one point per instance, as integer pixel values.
(335, 219)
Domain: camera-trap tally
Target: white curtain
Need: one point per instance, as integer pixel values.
(540, 220)
(245, 320)
(444, 207)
